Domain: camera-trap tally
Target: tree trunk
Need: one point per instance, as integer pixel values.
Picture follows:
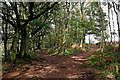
(109, 22)
(13, 50)
(101, 28)
(113, 27)
(77, 33)
(39, 43)
(81, 42)
(89, 39)
(118, 22)
(102, 40)
(24, 46)
(5, 40)
(118, 19)
(84, 33)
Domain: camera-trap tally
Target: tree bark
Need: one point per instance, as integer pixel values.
(89, 39)
(13, 50)
(24, 46)
(113, 27)
(5, 41)
(118, 21)
(109, 22)
(39, 43)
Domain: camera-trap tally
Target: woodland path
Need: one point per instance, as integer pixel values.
(54, 67)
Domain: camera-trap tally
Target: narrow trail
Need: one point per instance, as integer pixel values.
(71, 66)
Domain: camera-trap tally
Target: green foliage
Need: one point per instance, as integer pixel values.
(19, 61)
(54, 26)
(53, 53)
(106, 61)
(87, 48)
(77, 50)
(33, 56)
(50, 51)
(66, 53)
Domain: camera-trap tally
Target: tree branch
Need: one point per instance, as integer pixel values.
(35, 31)
(30, 19)
(31, 8)
(114, 8)
(10, 22)
(17, 16)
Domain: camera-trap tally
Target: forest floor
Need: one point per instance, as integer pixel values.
(55, 67)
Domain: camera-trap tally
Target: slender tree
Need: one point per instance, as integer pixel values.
(109, 7)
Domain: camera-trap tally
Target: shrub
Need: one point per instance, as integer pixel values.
(106, 61)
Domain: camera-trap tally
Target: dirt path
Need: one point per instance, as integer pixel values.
(70, 66)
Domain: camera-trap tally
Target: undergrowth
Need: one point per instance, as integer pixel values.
(108, 62)
(68, 51)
